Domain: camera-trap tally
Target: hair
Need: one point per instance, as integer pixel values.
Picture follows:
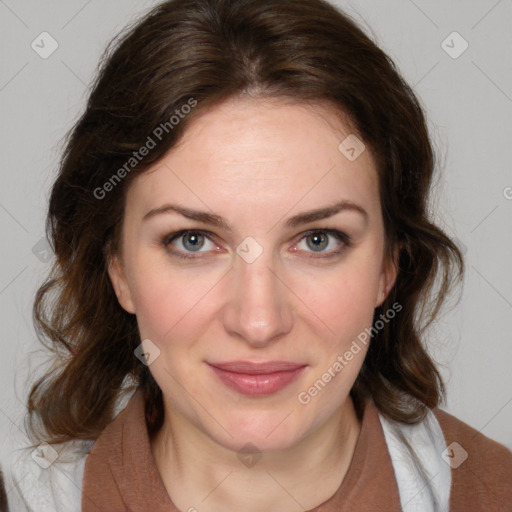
(201, 53)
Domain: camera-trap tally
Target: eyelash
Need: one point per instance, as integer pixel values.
(339, 235)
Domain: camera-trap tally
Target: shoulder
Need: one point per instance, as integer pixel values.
(423, 478)
(481, 468)
(442, 463)
(47, 478)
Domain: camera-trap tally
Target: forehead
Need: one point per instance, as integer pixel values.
(246, 151)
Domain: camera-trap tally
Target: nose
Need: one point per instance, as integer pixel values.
(258, 308)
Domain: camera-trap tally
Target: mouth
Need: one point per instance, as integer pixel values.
(257, 379)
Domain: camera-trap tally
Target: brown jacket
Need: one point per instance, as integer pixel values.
(120, 472)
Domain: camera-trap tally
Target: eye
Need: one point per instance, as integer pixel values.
(317, 241)
(189, 244)
(188, 241)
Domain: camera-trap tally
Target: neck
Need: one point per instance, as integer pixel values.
(199, 473)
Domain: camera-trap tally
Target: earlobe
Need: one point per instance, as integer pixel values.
(120, 284)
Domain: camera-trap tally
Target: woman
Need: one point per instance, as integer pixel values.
(244, 267)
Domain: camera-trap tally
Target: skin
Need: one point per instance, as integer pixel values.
(255, 162)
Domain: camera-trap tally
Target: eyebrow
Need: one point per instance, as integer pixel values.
(296, 220)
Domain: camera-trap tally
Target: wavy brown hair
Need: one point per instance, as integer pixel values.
(210, 50)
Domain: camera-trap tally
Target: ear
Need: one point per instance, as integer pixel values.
(388, 276)
(120, 283)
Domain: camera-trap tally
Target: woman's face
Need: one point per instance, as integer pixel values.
(252, 281)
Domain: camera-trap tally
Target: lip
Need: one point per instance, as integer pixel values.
(257, 379)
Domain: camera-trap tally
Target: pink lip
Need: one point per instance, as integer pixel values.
(257, 379)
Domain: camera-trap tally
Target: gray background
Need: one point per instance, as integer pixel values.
(468, 100)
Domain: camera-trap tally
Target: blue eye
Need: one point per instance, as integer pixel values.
(318, 240)
(193, 241)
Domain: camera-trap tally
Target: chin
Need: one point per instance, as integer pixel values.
(267, 431)
(248, 441)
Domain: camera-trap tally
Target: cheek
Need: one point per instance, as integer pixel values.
(337, 301)
(172, 304)
(340, 301)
